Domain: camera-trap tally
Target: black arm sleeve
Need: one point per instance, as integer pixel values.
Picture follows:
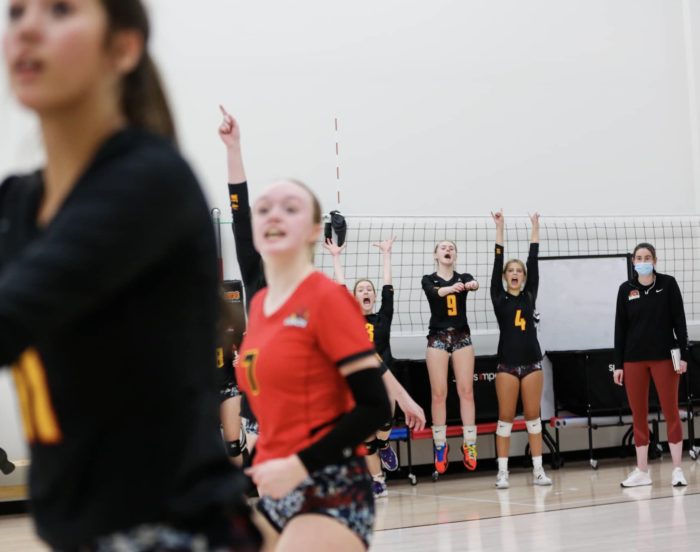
(497, 275)
(104, 236)
(371, 409)
(387, 309)
(533, 271)
(620, 329)
(678, 318)
(248, 258)
(429, 288)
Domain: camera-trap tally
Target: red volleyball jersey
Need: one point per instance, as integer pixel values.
(289, 364)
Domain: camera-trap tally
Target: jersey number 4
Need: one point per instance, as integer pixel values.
(520, 322)
(249, 362)
(38, 416)
(451, 305)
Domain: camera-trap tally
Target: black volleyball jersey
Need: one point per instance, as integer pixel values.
(449, 311)
(378, 325)
(108, 314)
(249, 260)
(517, 344)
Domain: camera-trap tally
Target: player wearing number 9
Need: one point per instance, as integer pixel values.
(519, 370)
(449, 334)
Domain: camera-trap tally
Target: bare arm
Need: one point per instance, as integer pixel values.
(230, 135)
(385, 246)
(335, 251)
(535, 219)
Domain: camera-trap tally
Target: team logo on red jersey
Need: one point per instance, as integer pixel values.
(297, 319)
(634, 294)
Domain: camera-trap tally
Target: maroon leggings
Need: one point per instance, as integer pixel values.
(637, 385)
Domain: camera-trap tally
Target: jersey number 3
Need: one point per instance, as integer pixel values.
(451, 305)
(249, 362)
(520, 322)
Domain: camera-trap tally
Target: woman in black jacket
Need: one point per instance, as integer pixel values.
(649, 323)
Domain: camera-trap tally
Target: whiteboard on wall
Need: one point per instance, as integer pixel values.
(576, 301)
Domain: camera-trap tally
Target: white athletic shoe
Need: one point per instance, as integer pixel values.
(637, 478)
(540, 478)
(677, 478)
(502, 480)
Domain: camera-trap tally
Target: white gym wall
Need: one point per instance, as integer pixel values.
(445, 107)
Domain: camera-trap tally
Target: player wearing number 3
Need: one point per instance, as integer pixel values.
(449, 334)
(519, 368)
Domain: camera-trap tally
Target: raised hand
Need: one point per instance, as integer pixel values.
(498, 218)
(330, 246)
(229, 131)
(535, 220)
(385, 245)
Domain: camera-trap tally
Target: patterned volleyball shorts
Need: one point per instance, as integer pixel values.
(340, 491)
(519, 371)
(238, 534)
(449, 340)
(228, 391)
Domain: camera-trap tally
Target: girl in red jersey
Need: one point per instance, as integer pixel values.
(311, 375)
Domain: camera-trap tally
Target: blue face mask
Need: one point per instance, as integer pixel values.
(644, 269)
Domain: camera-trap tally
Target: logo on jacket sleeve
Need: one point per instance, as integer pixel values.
(234, 202)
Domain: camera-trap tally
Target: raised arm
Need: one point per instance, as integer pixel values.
(230, 134)
(535, 236)
(385, 247)
(497, 273)
(533, 270)
(249, 260)
(335, 251)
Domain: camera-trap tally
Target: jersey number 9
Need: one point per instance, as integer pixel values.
(451, 305)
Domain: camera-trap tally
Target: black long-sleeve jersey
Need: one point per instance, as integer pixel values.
(517, 343)
(378, 326)
(449, 311)
(249, 259)
(646, 319)
(108, 314)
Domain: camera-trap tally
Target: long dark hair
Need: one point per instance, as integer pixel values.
(143, 99)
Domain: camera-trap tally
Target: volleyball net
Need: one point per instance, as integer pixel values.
(676, 238)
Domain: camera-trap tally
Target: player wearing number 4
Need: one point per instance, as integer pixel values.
(449, 334)
(519, 370)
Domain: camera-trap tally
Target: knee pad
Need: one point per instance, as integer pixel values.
(534, 426)
(503, 429)
(372, 446)
(381, 443)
